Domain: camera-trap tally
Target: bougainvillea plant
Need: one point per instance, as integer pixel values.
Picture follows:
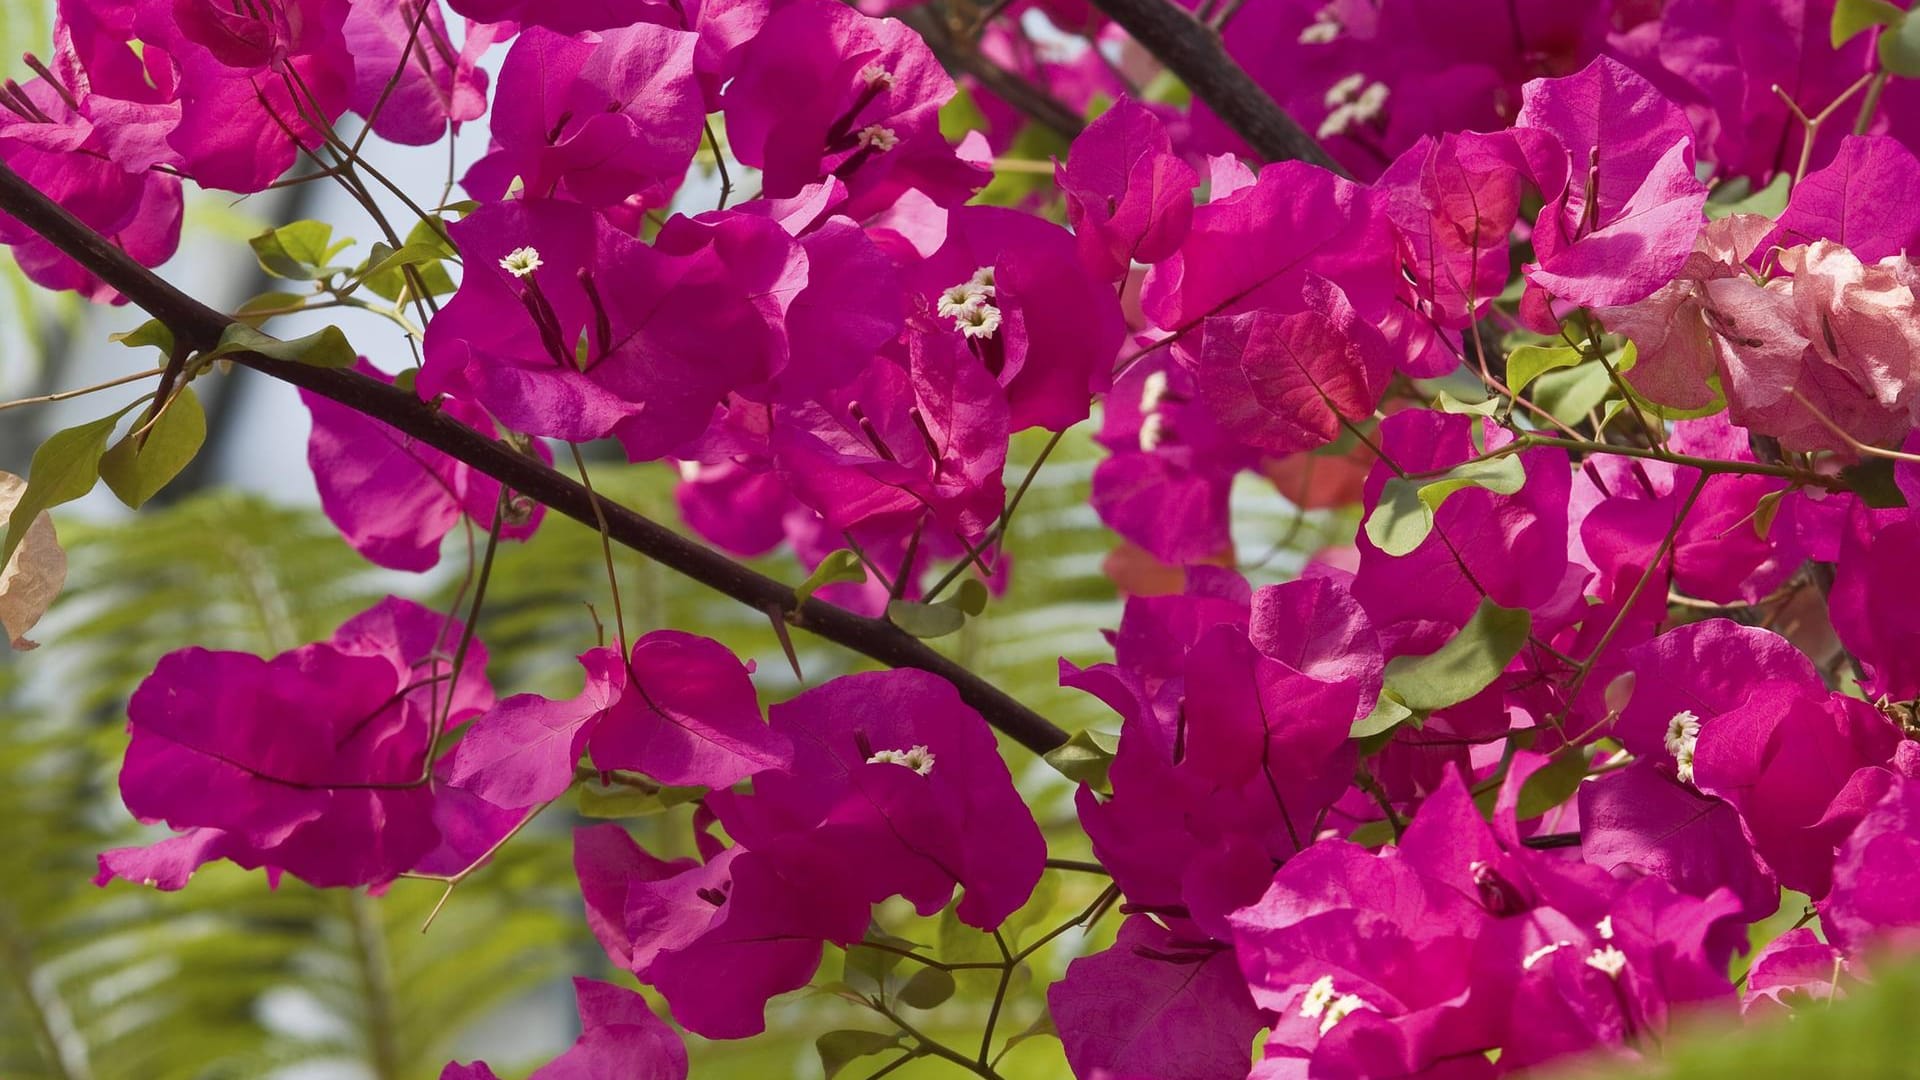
(1600, 314)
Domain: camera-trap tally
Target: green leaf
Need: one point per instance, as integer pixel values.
(1448, 403)
(153, 333)
(838, 1049)
(1528, 362)
(1467, 664)
(925, 620)
(928, 989)
(866, 970)
(268, 305)
(1372, 834)
(1042, 1026)
(327, 347)
(1084, 758)
(1854, 17)
(838, 567)
(1552, 784)
(63, 469)
(384, 272)
(137, 472)
(1570, 394)
(299, 251)
(971, 598)
(1900, 48)
(626, 801)
(1765, 511)
(1402, 519)
(1768, 201)
(1388, 713)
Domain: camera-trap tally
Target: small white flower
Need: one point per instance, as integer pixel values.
(875, 75)
(1320, 32)
(1319, 996)
(689, 471)
(1328, 1005)
(979, 321)
(918, 758)
(1370, 102)
(1608, 960)
(1346, 1006)
(1344, 90)
(1683, 736)
(1605, 927)
(1153, 432)
(1537, 955)
(1352, 101)
(1324, 29)
(982, 279)
(1153, 391)
(957, 299)
(521, 261)
(879, 139)
(1337, 122)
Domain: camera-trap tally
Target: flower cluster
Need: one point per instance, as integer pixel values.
(1618, 649)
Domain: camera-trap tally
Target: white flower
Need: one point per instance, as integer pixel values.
(875, 75)
(959, 298)
(1320, 32)
(1344, 90)
(1346, 1006)
(521, 261)
(1330, 1006)
(879, 139)
(1319, 996)
(1683, 735)
(1605, 927)
(1351, 104)
(1370, 102)
(979, 321)
(1608, 960)
(918, 758)
(970, 305)
(1324, 29)
(1153, 391)
(1153, 432)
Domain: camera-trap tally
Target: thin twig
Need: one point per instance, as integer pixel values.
(94, 389)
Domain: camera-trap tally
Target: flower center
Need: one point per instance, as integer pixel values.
(521, 261)
(1683, 735)
(1353, 101)
(917, 758)
(1328, 1005)
(970, 305)
(1608, 961)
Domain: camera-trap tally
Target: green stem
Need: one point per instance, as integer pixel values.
(999, 1000)
(934, 1046)
(999, 527)
(1871, 105)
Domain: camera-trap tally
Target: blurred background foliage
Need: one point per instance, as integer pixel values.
(230, 979)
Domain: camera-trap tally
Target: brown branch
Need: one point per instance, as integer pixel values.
(198, 326)
(1193, 51)
(957, 52)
